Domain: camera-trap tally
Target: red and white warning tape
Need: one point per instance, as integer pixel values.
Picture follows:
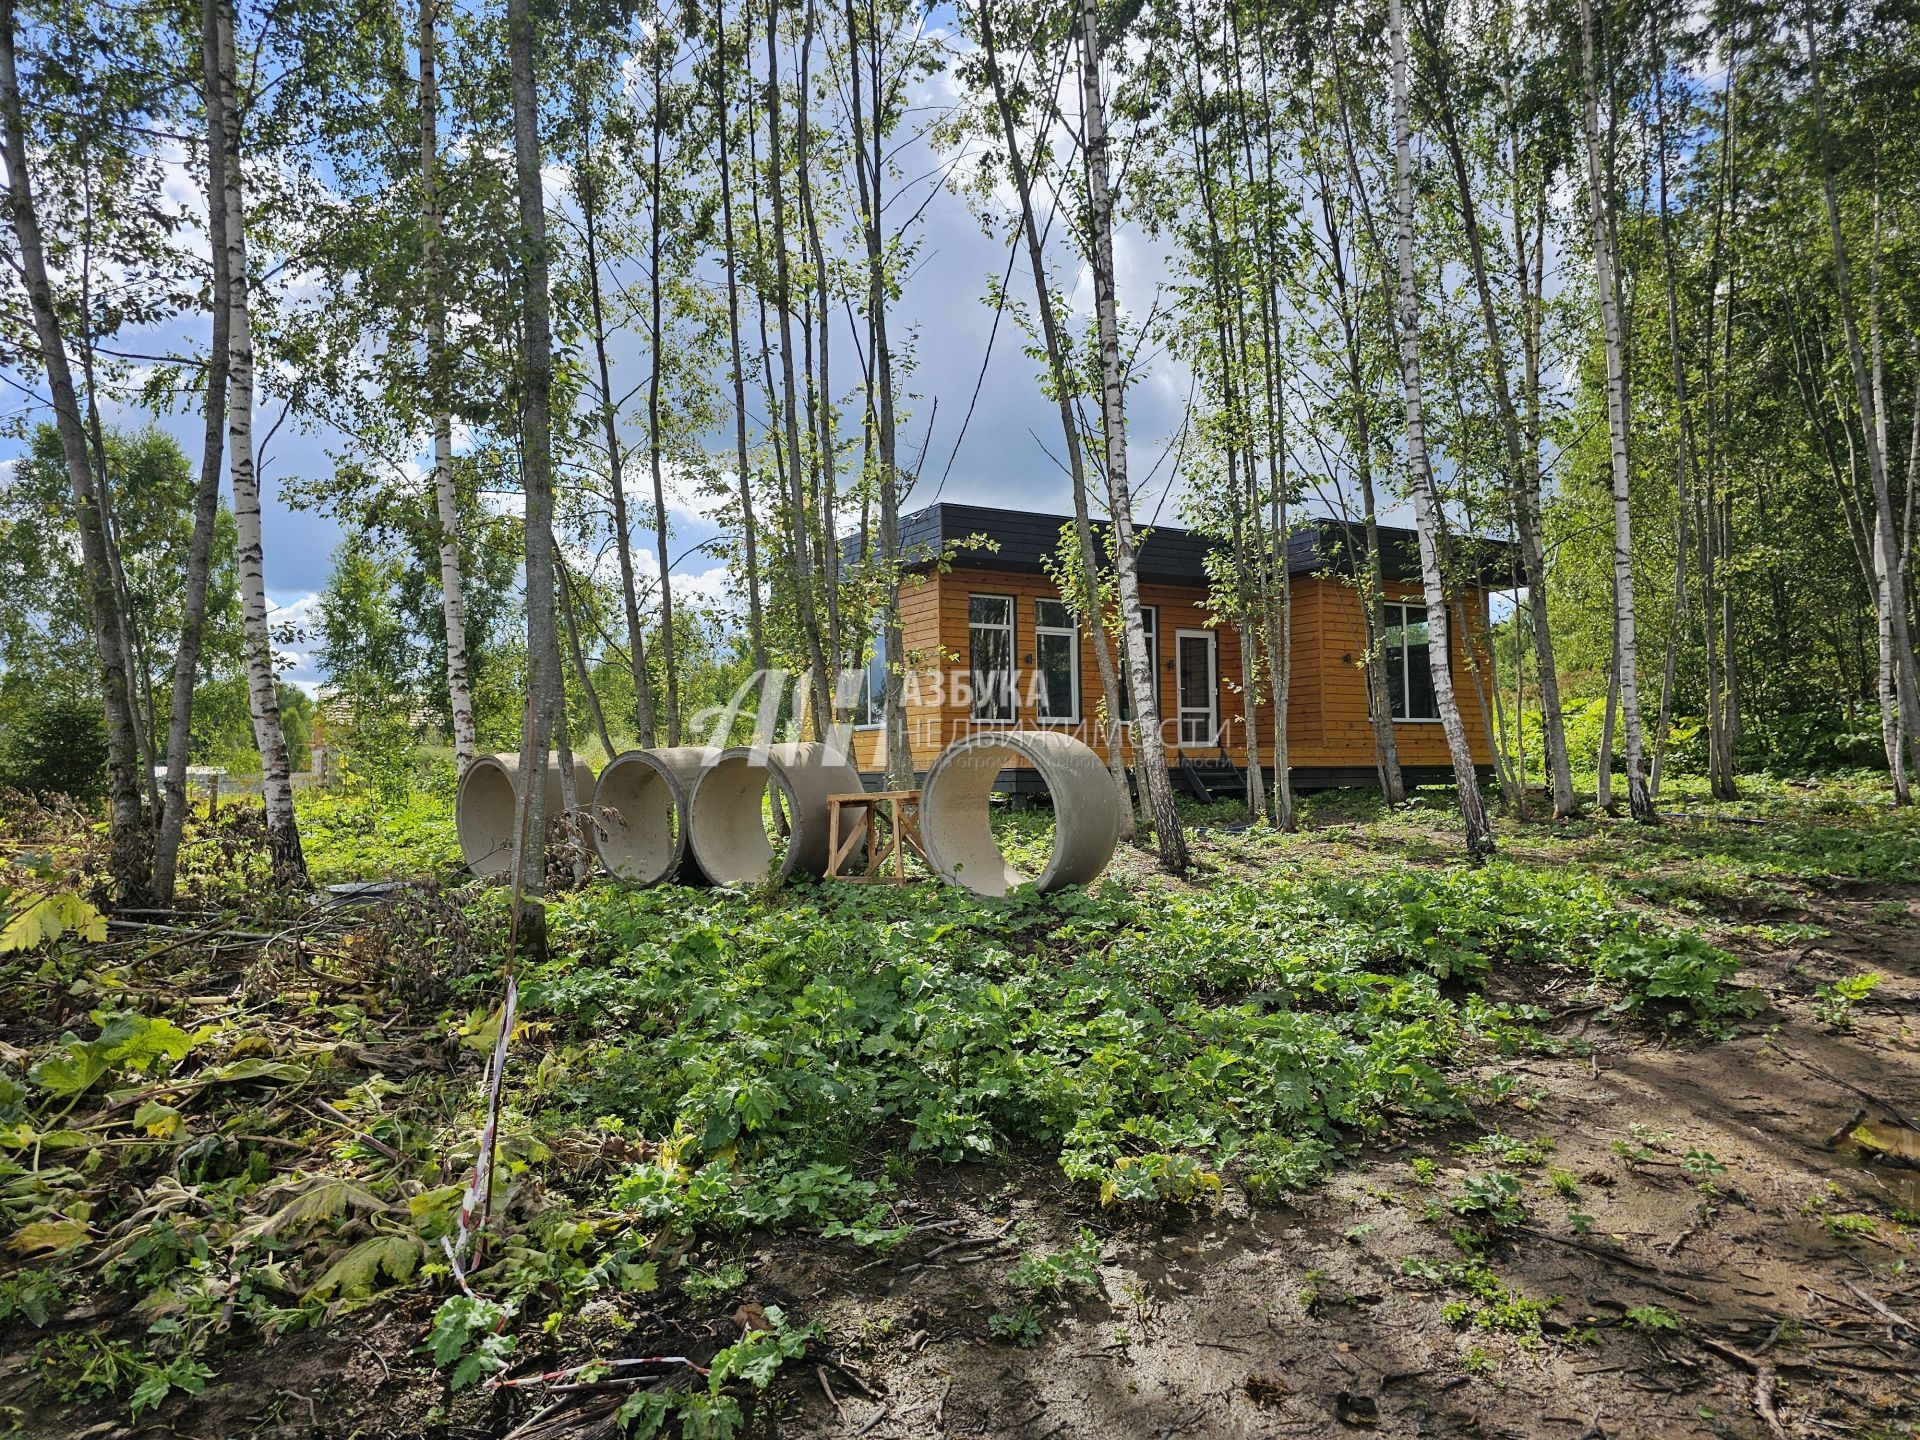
(479, 1183)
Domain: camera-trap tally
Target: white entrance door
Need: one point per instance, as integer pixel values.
(1197, 672)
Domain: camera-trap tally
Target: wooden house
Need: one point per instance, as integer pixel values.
(990, 644)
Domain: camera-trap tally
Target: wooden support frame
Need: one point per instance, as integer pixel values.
(886, 857)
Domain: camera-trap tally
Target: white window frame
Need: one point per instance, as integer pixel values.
(1013, 662)
(1212, 641)
(1071, 631)
(1401, 607)
(1150, 625)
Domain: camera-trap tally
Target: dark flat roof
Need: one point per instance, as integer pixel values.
(1169, 555)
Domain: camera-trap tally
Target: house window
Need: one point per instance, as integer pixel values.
(990, 655)
(1409, 671)
(1150, 626)
(872, 709)
(1056, 654)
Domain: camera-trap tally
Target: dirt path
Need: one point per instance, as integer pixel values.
(1783, 1298)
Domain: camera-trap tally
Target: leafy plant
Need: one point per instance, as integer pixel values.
(1493, 1197)
(1021, 1325)
(1675, 970)
(1833, 1004)
(1698, 1164)
(1052, 1276)
(468, 1337)
(1654, 1319)
(184, 1373)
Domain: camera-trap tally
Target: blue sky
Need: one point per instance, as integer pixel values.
(1006, 456)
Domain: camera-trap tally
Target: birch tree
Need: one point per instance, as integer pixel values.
(1890, 597)
(283, 831)
(1149, 743)
(1605, 262)
(130, 834)
(1419, 468)
(1061, 382)
(206, 495)
(1523, 460)
(445, 494)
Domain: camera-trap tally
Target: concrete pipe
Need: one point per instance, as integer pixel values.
(957, 831)
(726, 821)
(486, 811)
(640, 815)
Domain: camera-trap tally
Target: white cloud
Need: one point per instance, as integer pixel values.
(292, 623)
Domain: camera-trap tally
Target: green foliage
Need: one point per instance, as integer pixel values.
(127, 1040)
(1833, 1004)
(758, 1356)
(1021, 1326)
(1654, 1319)
(713, 1413)
(30, 1295)
(1051, 1276)
(46, 630)
(467, 1337)
(351, 834)
(51, 743)
(1675, 970)
(180, 1372)
(1511, 1150)
(85, 1366)
(30, 919)
(1277, 1166)
(1698, 1164)
(1492, 1198)
(1488, 1302)
(712, 1284)
(1145, 1181)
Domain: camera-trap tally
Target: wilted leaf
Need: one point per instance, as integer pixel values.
(258, 1070)
(327, 1198)
(46, 1235)
(358, 1271)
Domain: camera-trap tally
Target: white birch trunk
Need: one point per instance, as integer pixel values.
(206, 497)
(1890, 599)
(276, 778)
(1473, 812)
(1639, 797)
(1093, 623)
(126, 786)
(1149, 749)
(453, 605)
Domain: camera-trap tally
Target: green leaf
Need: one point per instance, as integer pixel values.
(161, 1121)
(48, 918)
(126, 1040)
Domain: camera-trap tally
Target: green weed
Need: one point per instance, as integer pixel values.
(1833, 1004)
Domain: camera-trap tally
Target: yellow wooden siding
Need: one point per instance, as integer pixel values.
(1327, 711)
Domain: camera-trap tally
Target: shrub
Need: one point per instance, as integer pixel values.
(55, 745)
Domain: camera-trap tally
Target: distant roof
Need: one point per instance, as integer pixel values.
(1169, 555)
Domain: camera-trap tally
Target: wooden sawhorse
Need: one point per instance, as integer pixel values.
(863, 812)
